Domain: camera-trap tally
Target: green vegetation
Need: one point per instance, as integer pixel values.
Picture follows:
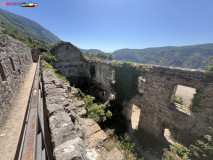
(178, 99)
(101, 55)
(126, 78)
(195, 56)
(195, 106)
(99, 113)
(209, 68)
(106, 56)
(59, 76)
(128, 147)
(47, 56)
(121, 143)
(202, 149)
(29, 41)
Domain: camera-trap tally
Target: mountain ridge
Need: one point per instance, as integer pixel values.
(191, 56)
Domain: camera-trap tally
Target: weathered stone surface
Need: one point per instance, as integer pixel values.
(71, 150)
(54, 107)
(66, 124)
(90, 127)
(82, 112)
(115, 154)
(91, 154)
(15, 57)
(96, 138)
(61, 127)
(88, 122)
(79, 104)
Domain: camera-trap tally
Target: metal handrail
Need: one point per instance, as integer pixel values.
(32, 143)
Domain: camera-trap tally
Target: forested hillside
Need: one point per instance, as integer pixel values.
(25, 30)
(194, 56)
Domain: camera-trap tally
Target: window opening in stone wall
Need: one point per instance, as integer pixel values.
(12, 64)
(141, 84)
(135, 116)
(182, 97)
(3, 77)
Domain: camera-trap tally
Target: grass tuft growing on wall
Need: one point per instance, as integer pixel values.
(59, 76)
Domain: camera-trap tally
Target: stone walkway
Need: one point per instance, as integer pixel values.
(10, 131)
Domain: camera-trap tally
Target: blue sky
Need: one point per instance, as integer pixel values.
(114, 24)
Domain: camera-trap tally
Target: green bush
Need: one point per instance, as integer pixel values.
(128, 147)
(202, 149)
(178, 99)
(98, 113)
(47, 56)
(106, 56)
(209, 68)
(101, 55)
(59, 76)
(110, 144)
(126, 79)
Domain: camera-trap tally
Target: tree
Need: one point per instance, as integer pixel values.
(209, 68)
(201, 149)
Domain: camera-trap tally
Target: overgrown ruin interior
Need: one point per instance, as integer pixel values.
(141, 93)
(154, 95)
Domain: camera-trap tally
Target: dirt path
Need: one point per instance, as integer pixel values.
(10, 131)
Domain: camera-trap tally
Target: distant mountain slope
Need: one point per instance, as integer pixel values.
(194, 56)
(91, 50)
(26, 26)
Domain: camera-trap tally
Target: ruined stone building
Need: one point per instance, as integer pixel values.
(151, 88)
(154, 97)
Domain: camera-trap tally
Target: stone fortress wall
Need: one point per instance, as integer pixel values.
(156, 92)
(15, 58)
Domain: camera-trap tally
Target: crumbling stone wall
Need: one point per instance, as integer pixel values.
(103, 78)
(70, 62)
(72, 135)
(155, 94)
(157, 112)
(15, 57)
